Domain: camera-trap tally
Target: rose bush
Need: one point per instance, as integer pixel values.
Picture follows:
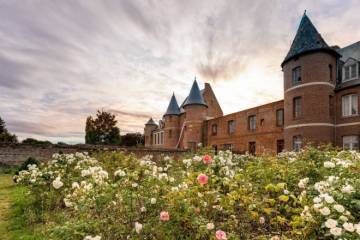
(312, 194)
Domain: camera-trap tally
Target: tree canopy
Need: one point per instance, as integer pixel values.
(102, 129)
(5, 136)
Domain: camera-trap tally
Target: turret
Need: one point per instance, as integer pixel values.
(150, 126)
(171, 124)
(195, 108)
(309, 81)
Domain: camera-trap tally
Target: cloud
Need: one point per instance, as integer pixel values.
(60, 61)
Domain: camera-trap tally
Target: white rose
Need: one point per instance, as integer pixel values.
(317, 200)
(336, 231)
(339, 208)
(143, 209)
(343, 218)
(57, 183)
(331, 223)
(75, 185)
(329, 199)
(349, 227)
(134, 185)
(138, 227)
(210, 226)
(347, 189)
(153, 200)
(261, 220)
(325, 211)
(329, 164)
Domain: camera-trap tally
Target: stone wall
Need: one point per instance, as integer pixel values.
(13, 154)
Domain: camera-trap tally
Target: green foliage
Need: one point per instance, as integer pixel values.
(132, 139)
(29, 161)
(102, 129)
(35, 141)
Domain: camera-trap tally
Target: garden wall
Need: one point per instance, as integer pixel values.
(12, 154)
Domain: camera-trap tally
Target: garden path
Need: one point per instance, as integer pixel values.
(6, 187)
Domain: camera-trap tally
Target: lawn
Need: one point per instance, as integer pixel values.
(13, 201)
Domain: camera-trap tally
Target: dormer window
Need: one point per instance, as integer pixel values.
(350, 72)
(296, 76)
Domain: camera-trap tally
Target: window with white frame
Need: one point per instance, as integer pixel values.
(252, 123)
(297, 143)
(351, 142)
(350, 72)
(350, 105)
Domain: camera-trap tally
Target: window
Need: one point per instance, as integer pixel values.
(280, 117)
(351, 142)
(350, 105)
(170, 133)
(262, 121)
(330, 73)
(228, 147)
(279, 145)
(296, 75)
(252, 123)
(161, 137)
(231, 126)
(214, 129)
(331, 106)
(252, 148)
(297, 143)
(297, 107)
(350, 72)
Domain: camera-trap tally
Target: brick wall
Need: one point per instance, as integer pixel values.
(265, 136)
(16, 153)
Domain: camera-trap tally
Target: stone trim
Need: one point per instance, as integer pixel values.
(309, 84)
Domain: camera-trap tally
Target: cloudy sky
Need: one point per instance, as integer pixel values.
(61, 60)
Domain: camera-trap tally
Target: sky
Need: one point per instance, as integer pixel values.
(62, 60)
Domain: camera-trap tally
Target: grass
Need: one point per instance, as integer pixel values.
(14, 204)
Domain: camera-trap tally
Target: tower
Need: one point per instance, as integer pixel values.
(150, 126)
(309, 81)
(171, 124)
(195, 108)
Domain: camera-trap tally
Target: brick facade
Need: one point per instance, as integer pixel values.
(316, 79)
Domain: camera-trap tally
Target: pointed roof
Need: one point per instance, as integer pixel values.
(173, 108)
(307, 39)
(195, 97)
(150, 122)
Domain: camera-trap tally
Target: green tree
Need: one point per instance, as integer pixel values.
(5, 136)
(132, 139)
(102, 129)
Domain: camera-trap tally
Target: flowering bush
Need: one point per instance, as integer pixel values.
(313, 194)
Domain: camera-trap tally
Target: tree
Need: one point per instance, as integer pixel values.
(132, 139)
(5, 136)
(102, 129)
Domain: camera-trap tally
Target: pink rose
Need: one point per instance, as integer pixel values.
(220, 235)
(164, 216)
(202, 179)
(207, 159)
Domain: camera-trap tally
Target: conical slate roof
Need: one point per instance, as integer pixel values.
(150, 122)
(195, 97)
(173, 108)
(307, 39)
